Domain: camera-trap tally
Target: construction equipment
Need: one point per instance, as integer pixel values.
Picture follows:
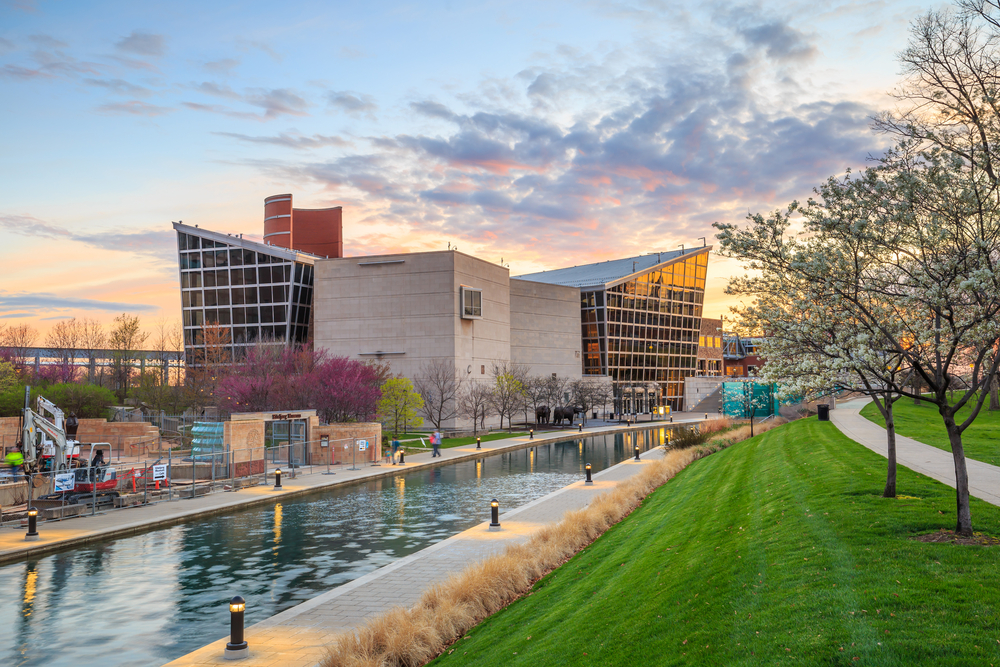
(43, 441)
(92, 484)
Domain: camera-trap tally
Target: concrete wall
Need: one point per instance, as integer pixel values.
(407, 307)
(545, 328)
(698, 388)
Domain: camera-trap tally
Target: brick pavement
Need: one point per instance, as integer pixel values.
(297, 637)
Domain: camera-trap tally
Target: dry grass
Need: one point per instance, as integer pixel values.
(411, 637)
(716, 425)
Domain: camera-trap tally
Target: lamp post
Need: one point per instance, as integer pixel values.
(277, 480)
(237, 648)
(589, 480)
(479, 442)
(637, 453)
(494, 514)
(32, 534)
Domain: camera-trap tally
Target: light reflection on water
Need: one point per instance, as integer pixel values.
(150, 598)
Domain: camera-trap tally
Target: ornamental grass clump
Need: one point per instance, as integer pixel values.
(411, 637)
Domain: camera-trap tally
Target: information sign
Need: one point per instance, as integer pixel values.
(362, 445)
(159, 472)
(65, 481)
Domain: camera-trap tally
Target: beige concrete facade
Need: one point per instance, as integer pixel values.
(405, 309)
(545, 328)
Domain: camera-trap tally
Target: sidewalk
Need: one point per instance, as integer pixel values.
(984, 479)
(298, 637)
(57, 535)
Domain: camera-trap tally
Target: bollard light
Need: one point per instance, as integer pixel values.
(32, 534)
(581, 427)
(277, 479)
(237, 648)
(495, 514)
(671, 420)
(531, 434)
(637, 452)
(706, 415)
(589, 481)
(479, 442)
(402, 456)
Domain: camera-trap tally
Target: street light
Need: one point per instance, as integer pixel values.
(32, 534)
(237, 648)
(495, 514)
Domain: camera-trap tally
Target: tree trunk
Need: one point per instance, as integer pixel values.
(916, 391)
(994, 394)
(890, 441)
(964, 524)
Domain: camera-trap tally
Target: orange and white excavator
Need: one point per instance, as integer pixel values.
(43, 441)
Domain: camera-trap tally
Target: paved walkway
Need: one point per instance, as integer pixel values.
(56, 535)
(298, 637)
(984, 479)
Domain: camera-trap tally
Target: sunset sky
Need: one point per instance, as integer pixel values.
(545, 133)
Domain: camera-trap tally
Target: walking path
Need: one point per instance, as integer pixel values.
(298, 637)
(984, 479)
(56, 535)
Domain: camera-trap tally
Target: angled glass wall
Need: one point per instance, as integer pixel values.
(234, 294)
(643, 333)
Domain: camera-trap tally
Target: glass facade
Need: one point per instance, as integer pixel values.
(643, 333)
(236, 293)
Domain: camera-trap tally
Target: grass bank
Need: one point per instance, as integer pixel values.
(923, 423)
(776, 550)
(412, 440)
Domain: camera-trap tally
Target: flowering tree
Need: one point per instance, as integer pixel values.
(272, 377)
(907, 255)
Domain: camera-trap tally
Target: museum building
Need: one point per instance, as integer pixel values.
(636, 321)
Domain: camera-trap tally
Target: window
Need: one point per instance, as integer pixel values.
(472, 303)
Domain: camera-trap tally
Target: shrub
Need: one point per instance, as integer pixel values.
(86, 400)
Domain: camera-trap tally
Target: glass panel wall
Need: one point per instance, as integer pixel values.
(644, 334)
(232, 297)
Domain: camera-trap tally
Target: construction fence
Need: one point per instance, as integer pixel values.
(174, 474)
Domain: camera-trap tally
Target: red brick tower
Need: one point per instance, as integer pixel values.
(317, 231)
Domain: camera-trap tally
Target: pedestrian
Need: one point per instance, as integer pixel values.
(15, 460)
(395, 448)
(436, 442)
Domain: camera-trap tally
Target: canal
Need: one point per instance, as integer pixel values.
(149, 598)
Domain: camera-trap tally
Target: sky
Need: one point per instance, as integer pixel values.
(545, 134)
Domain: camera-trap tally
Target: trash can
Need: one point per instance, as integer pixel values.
(824, 412)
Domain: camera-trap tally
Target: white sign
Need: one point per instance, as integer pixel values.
(362, 445)
(65, 481)
(159, 472)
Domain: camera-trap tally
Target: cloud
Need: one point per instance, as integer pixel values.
(149, 241)
(23, 73)
(134, 108)
(278, 102)
(210, 88)
(47, 42)
(296, 141)
(143, 44)
(6, 45)
(120, 87)
(39, 302)
(352, 52)
(351, 104)
(222, 66)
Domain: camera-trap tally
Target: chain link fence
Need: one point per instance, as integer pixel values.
(174, 474)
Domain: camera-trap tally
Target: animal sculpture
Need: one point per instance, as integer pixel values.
(566, 413)
(542, 414)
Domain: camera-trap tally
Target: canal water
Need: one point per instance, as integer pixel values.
(147, 599)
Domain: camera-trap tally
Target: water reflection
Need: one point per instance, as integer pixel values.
(150, 598)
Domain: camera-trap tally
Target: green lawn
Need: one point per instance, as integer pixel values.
(456, 442)
(778, 550)
(923, 423)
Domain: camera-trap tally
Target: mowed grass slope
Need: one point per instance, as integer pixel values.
(778, 550)
(923, 423)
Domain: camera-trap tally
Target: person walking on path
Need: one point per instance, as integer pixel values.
(436, 443)
(395, 448)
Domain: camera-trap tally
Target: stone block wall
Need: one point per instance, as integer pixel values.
(342, 439)
(245, 439)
